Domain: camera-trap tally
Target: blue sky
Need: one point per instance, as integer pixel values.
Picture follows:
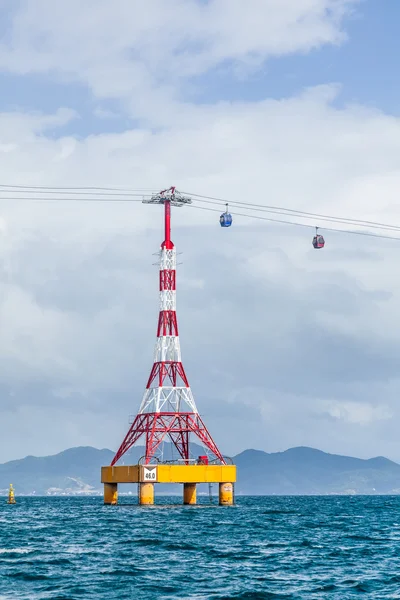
(290, 104)
(363, 65)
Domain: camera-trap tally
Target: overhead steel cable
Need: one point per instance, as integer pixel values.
(128, 193)
(338, 220)
(296, 213)
(105, 194)
(78, 199)
(365, 233)
(48, 187)
(133, 195)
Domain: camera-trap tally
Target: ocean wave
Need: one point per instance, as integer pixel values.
(16, 550)
(267, 549)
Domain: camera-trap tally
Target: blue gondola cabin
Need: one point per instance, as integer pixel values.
(225, 219)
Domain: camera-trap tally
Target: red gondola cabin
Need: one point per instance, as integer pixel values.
(318, 240)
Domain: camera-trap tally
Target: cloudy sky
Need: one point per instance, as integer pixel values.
(291, 103)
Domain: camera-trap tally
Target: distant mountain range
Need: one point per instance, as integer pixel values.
(296, 471)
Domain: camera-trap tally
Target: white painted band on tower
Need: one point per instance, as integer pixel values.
(167, 260)
(168, 300)
(167, 349)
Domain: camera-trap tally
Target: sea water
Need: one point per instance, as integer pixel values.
(263, 548)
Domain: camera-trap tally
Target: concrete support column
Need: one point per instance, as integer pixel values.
(110, 493)
(226, 494)
(146, 493)
(189, 493)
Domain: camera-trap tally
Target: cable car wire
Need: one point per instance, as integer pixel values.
(48, 187)
(298, 213)
(365, 233)
(338, 220)
(133, 196)
(95, 199)
(128, 193)
(70, 191)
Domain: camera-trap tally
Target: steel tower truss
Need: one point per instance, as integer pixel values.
(168, 408)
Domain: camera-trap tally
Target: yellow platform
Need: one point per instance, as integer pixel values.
(190, 475)
(169, 474)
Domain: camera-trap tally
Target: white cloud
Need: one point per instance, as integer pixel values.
(233, 148)
(361, 414)
(141, 52)
(265, 317)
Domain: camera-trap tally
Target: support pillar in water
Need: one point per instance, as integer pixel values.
(225, 494)
(189, 493)
(145, 476)
(110, 493)
(146, 493)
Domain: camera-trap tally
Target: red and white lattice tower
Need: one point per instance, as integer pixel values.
(168, 409)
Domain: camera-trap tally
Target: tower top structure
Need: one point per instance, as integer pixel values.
(168, 197)
(168, 408)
